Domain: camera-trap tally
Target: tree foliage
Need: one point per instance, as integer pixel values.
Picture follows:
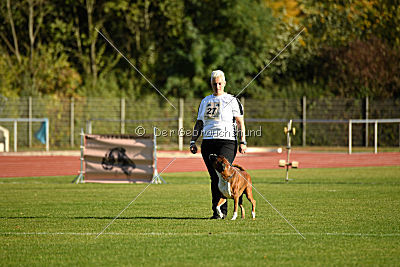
(352, 49)
(363, 68)
(348, 48)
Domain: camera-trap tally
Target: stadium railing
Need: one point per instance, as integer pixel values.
(375, 122)
(320, 129)
(350, 123)
(29, 120)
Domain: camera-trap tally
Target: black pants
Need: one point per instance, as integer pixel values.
(226, 148)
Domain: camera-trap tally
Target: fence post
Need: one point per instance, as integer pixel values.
(78, 179)
(304, 120)
(350, 133)
(47, 135)
(122, 115)
(30, 121)
(366, 117)
(15, 135)
(72, 121)
(180, 124)
(376, 137)
(89, 126)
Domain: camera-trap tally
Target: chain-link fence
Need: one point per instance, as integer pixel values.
(323, 122)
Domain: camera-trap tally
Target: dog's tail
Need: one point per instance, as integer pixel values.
(239, 167)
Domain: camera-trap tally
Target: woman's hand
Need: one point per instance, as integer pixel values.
(242, 148)
(196, 133)
(193, 148)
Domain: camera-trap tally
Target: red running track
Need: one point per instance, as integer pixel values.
(35, 166)
(306, 160)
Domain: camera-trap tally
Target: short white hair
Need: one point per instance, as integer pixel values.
(217, 73)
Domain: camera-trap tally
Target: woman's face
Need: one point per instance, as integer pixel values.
(218, 85)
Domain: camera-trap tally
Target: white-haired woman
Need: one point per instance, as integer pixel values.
(220, 120)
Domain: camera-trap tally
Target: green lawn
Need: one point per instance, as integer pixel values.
(348, 216)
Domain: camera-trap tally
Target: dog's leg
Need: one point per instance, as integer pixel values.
(242, 210)
(249, 194)
(220, 203)
(235, 209)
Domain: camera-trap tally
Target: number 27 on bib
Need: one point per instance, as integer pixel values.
(212, 110)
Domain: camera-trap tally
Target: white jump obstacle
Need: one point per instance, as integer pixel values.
(118, 158)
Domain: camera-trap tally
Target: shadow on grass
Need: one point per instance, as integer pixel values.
(105, 218)
(144, 218)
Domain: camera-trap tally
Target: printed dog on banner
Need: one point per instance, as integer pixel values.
(118, 159)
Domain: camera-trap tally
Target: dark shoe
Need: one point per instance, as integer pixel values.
(216, 217)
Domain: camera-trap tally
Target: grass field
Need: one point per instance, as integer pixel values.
(348, 216)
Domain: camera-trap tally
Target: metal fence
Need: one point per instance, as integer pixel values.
(321, 122)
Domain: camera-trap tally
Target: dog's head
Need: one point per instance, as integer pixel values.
(221, 165)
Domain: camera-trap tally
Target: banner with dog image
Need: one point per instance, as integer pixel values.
(118, 159)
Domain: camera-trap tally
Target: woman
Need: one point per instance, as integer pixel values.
(219, 117)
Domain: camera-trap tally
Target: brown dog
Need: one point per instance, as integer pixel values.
(233, 182)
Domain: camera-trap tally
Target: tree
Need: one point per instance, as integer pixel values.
(331, 61)
(36, 64)
(363, 68)
(227, 35)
